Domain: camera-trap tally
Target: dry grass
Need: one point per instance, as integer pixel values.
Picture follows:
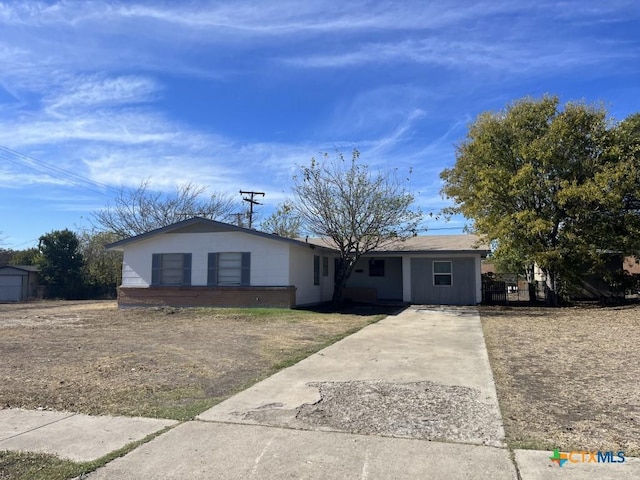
(91, 357)
(567, 378)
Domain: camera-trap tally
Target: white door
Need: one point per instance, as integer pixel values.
(10, 288)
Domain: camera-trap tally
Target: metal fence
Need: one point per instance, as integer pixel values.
(506, 288)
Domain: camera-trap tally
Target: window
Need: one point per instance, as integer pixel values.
(171, 269)
(316, 270)
(325, 266)
(229, 269)
(376, 268)
(442, 274)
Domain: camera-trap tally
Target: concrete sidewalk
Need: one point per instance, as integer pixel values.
(81, 438)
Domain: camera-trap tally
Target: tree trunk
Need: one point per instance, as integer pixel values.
(337, 299)
(533, 297)
(343, 271)
(552, 297)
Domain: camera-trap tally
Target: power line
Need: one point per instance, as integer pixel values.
(252, 202)
(445, 228)
(52, 171)
(14, 246)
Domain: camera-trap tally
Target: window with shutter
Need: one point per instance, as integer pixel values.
(171, 269)
(229, 269)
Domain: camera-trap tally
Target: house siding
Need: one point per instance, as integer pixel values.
(388, 287)
(463, 290)
(269, 258)
(301, 275)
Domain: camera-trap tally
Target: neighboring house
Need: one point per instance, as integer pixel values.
(631, 266)
(593, 285)
(204, 262)
(18, 283)
(489, 267)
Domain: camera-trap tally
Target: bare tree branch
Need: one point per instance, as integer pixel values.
(358, 210)
(141, 210)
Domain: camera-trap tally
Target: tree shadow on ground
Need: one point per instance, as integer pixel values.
(357, 308)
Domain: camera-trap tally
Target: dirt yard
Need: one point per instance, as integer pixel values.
(91, 357)
(567, 378)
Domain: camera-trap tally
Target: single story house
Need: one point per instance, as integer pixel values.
(18, 283)
(202, 262)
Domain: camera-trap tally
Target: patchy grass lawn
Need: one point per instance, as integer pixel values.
(567, 378)
(93, 358)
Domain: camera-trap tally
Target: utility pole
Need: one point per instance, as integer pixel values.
(252, 202)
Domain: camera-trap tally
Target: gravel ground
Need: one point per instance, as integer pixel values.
(424, 410)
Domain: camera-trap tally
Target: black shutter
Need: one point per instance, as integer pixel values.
(245, 279)
(186, 265)
(316, 270)
(212, 270)
(156, 262)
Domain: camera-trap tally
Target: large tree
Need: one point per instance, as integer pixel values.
(102, 268)
(353, 208)
(141, 210)
(547, 185)
(61, 263)
(30, 256)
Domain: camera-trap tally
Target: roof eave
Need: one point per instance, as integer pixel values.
(120, 244)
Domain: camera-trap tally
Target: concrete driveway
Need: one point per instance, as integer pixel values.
(411, 396)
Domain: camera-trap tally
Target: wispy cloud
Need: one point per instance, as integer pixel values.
(517, 57)
(92, 91)
(257, 17)
(102, 88)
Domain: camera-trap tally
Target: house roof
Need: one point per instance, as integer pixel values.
(203, 225)
(425, 243)
(25, 268)
(431, 243)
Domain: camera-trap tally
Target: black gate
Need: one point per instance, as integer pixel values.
(511, 288)
(494, 292)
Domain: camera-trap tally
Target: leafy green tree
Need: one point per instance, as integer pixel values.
(547, 185)
(61, 264)
(5, 257)
(355, 209)
(284, 221)
(30, 256)
(102, 269)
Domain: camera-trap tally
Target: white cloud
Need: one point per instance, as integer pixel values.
(256, 17)
(91, 91)
(504, 56)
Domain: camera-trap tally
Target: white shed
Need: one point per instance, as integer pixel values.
(18, 283)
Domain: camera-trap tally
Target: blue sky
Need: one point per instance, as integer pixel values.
(99, 95)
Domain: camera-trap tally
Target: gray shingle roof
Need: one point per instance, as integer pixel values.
(425, 243)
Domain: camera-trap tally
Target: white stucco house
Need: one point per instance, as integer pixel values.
(201, 262)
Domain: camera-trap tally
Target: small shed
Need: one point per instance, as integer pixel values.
(18, 283)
